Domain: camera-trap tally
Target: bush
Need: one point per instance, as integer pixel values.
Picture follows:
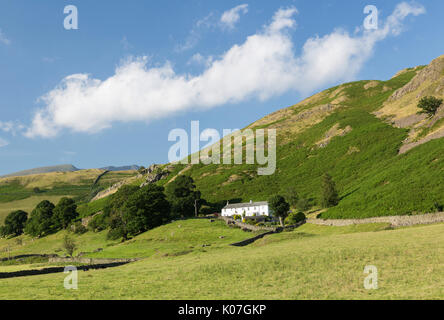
(237, 217)
(437, 207)
(294, 218)
(429, 105)
(98, 223)
(69, 245)
(79, 228)
(37, 190)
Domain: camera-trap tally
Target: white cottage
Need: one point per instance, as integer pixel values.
(249, 209)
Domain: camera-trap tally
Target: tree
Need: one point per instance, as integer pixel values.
(14, 224)
(65, 212)
(112, 213)
(182, 195)
(429, 105)
(118, 199)
(41, 222)
(144, 210)
(280, 207)
(37, 190)
(330, 196)
(69, 245)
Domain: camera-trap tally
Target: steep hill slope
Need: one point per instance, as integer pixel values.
(357, 132)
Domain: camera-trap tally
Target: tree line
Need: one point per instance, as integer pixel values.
(130, 211)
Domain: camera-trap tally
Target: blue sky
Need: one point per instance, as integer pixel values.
(134, 70)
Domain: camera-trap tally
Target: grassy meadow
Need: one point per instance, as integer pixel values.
(312, 262)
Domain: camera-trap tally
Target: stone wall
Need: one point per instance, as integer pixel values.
(90, 261)
(395, 221)
(35, 272)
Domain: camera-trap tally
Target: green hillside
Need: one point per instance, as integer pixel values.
(354, 132)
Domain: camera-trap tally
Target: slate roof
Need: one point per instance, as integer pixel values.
(245, 205)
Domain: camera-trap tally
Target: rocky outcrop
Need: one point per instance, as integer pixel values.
(430, 73)
(155, 173)
(335, 131)
(111, 190)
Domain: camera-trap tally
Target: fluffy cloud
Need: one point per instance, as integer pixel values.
(265, 65)
(231, 17)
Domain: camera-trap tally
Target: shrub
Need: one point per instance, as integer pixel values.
(69, 245)
(330, 196)
(237, 217)
(37, 190)
(437, 207)
(98, 223)
(429, 105)
(294, 218)
(79, 228)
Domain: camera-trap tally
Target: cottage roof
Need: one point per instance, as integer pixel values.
(246, 205)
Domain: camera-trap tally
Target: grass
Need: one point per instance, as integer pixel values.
(310, 263)
(171, 239)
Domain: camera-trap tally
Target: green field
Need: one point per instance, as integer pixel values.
(312, 262)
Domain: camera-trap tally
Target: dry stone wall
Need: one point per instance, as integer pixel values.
(395, 221)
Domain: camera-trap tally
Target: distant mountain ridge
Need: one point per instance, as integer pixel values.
(65, 168)
(58, 168)
(122, 168)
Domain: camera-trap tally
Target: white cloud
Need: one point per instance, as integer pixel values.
(265, 65)
(3, 143)
(4, 39)
(200, 60)
(11, 127)
(230, 17)
(194, 36)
